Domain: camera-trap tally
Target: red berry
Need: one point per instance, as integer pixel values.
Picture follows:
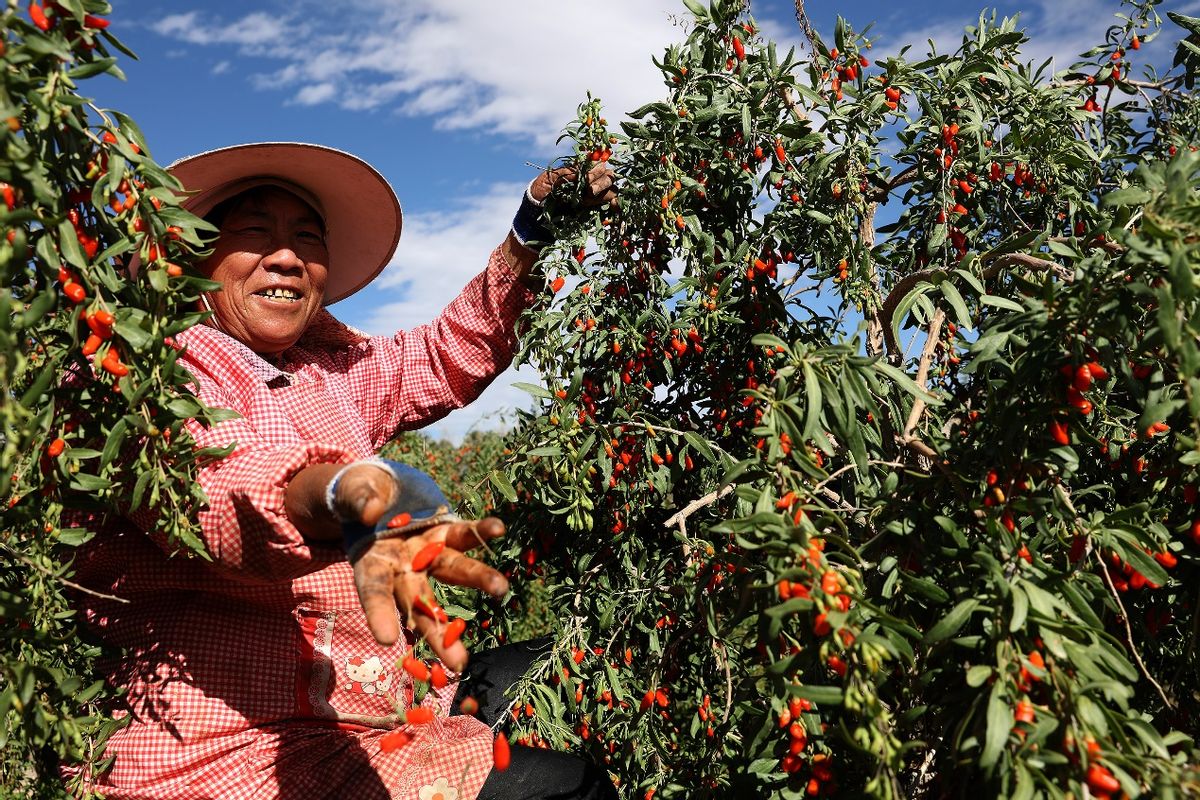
(454, 630)
(419, 715)
(501, 755)
(394, 740)
(426, 555)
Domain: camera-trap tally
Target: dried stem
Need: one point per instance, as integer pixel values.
(806, 27)
(1137, 656)
(50, 573)
(679, 517)
(931, 343)
(866, 238)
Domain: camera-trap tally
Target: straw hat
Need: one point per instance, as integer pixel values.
(362, 215)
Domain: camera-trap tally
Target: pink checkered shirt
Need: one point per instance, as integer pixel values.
(254, 675)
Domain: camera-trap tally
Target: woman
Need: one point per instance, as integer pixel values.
(271, 670)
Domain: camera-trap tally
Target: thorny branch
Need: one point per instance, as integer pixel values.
(806, 27)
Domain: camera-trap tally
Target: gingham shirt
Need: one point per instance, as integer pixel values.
(255, 676)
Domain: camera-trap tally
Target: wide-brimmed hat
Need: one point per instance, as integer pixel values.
(361, 213)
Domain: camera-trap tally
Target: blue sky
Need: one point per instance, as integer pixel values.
(449, 98)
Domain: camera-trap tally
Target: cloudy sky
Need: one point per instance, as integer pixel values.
(450, 98)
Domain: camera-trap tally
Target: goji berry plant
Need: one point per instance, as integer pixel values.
(93, 402)
(866, 459)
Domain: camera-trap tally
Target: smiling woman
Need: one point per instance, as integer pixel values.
(285, 666)
(272, 261)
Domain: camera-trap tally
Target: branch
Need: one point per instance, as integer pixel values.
(723, 658)
(1112, 590)
(1000, 262)
(694, 506)
(899, 179)
(866, 238)
(918, 406)
(805, 26)
(50, 573)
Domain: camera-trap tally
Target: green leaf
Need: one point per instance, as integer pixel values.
(700, 445)
(1001, 302)
(906, 383)
(999, 723)
(961, 315)
(1128, 196)
(503, 485)
(979, 675)
(948, 625)
(533, 389)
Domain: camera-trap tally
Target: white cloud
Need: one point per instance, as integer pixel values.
(315, 93)
(513, 68)
(1058, 29)
(221, 67)
(259, 33)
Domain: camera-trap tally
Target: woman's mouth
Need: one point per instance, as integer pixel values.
(279, 295)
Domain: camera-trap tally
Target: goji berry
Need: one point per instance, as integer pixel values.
(417, 668)
(392, 741)
(426, 555)
(38, 15)
(419, 716)
(454, 630)
(501, 755)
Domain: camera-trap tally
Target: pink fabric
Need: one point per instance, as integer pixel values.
(254, 675)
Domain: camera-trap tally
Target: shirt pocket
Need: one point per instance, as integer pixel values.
(344, 675)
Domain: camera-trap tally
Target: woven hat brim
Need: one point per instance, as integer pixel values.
(363, 218)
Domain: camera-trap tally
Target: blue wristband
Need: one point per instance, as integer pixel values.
(527, 225)
(419, 504)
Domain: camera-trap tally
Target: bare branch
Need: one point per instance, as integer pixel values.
(899, 179)
(806, 27)
(866, 237)
(918, 406)
(50, 574)
(1137, 656)
(691, 508)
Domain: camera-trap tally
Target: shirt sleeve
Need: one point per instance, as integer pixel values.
(244, 526)
(417, 377)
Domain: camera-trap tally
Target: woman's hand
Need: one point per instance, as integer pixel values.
(383, 574)
(386, 581)
(601, 187)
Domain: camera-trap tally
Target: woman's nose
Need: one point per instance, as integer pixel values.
(283, 257)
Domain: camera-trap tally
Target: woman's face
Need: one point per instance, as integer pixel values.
(272, 262)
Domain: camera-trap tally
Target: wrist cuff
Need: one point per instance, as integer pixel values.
(419, 504)
(527, 225)
(332, 486)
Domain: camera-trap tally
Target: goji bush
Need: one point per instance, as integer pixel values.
(866, 459)
(93, 402)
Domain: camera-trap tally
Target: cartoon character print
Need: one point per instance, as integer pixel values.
(367, 676)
